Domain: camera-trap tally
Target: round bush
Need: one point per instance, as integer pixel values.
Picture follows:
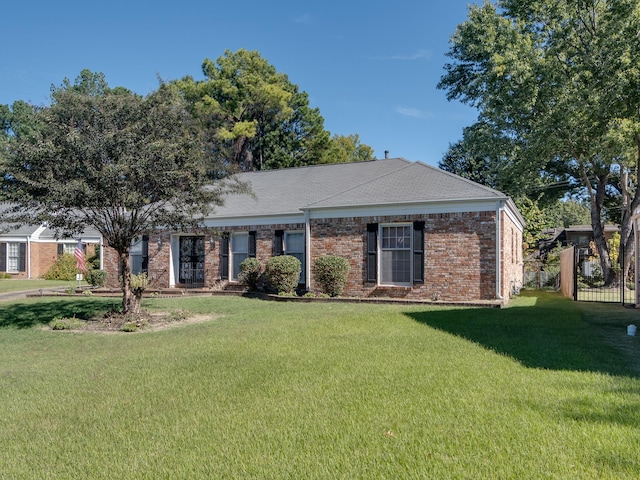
(97, 278)
(283, 273)
(250, 271)
(330, 273)
(64, 268)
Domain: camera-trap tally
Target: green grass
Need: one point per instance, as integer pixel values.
(605, 294)
(546, 388)
(10, 285)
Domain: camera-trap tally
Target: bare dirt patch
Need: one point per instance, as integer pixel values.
(115, 322)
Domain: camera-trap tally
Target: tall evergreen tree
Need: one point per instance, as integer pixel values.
(257, 118)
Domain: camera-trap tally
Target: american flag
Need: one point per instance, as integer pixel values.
(79, 254)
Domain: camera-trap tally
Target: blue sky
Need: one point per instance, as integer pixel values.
(371, 67)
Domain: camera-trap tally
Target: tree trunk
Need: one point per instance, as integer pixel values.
(597, 201)
(630, 204)
(129, 302)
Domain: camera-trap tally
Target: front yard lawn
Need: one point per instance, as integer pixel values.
(542, 389)
(10, 285)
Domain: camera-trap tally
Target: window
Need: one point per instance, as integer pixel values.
(239, 252)
(291, 243)
(294, 246)
(139, 255)
(13, 257)
(395, 253)
(234, 249)
(67, 248)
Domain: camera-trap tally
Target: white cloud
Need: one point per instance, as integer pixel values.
(422, 54)
(412, 112)
(419, 55)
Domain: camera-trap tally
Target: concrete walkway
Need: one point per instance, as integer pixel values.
(25, 293)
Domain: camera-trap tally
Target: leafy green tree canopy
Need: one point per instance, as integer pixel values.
(258, 118)
(115, 161)
(559, 80)
(348, 148)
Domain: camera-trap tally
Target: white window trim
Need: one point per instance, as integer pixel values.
(233, 276)
(69, 248)
(10, 246)
(286, 251)
(379, 254)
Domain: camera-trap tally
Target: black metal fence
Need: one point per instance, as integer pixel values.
(582, 279)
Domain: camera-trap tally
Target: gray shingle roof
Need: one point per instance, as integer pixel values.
(378, 182)
(8, 229)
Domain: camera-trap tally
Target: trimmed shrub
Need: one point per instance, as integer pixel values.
(64, 268)
(283, 273)
(139, 283)
(67, 323)
(250, 272)
(93, 260)
(330, 273)
(97, 278)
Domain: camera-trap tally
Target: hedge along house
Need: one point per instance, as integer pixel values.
(28, 252)
(408, 230)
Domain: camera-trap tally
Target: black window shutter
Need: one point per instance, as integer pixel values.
(278, 243)
(22, 259)
(252, 244)
(418, 252)
(3, 257)
(60, 249)
(372, 252)
(224, 256)
(145, 254)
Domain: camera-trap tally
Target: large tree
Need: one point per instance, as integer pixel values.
(115, 161)
(560, 79)
(347, 148)
(257, 117)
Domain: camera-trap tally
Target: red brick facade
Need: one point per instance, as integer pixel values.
(512, 258)
(459, 260)
(40, 256)
(460, 255)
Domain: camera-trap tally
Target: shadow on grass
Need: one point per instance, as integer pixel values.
(32, 313)
(553, 334)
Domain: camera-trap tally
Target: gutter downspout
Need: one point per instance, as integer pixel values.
(499, 250)
(636, 242)
(101, 247)
(307, 249)
(28, 259)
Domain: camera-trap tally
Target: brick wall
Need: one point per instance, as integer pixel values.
(160, 258)
(43, 256)
(512, 256)
(460, 255)
(459, 260)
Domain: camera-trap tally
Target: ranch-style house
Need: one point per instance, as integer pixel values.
(409, 230)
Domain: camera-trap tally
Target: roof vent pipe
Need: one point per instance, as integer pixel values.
(386, 154)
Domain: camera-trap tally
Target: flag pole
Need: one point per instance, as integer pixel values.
(80, 262)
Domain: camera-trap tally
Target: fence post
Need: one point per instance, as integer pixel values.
(623, 280)
(575, 273)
